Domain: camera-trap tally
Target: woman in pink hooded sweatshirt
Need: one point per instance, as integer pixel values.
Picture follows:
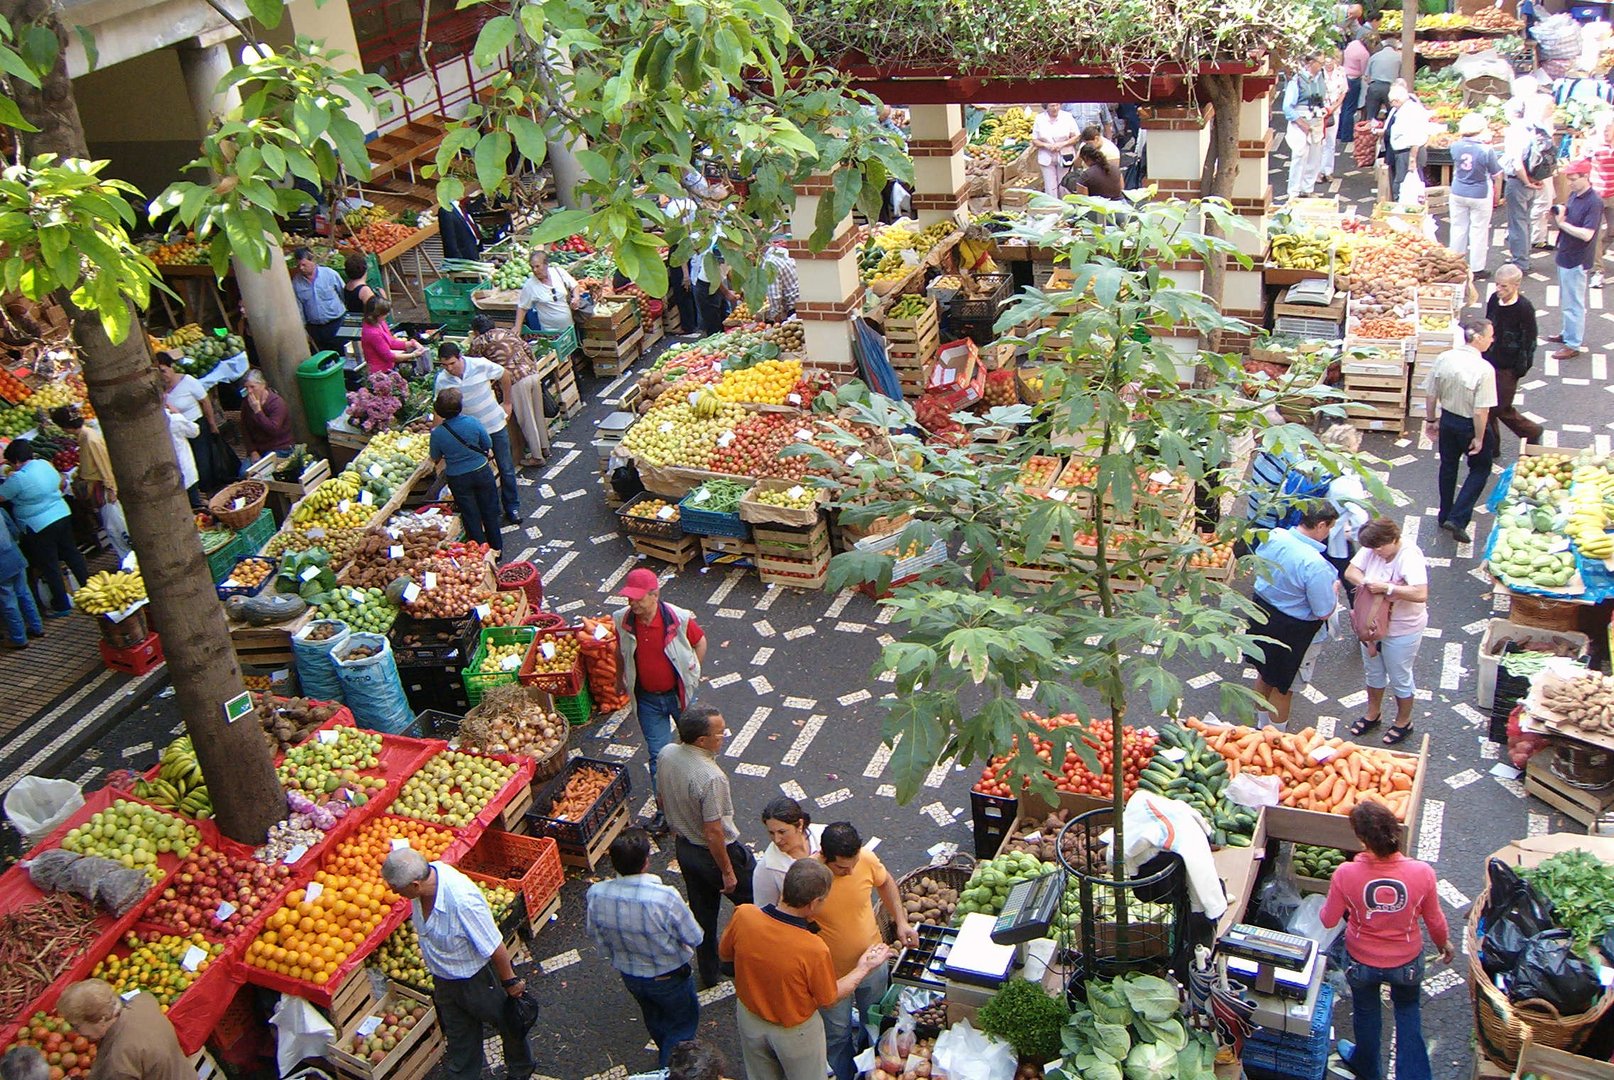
(1384, 893)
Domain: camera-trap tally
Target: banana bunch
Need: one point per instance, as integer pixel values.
(896, 238)
(107, 592)
(323, 504)
(1300, 251)
(891, 266)
(1588, 513)
(706, 404)
(971, 252)
(189, 334)
(178, 784)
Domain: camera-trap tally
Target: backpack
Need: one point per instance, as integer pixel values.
(1301, 486)
(1541, 156)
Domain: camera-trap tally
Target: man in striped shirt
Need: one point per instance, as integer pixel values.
(649, 935)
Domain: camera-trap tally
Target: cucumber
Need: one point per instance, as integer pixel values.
(1217, 767)
(1238, 840)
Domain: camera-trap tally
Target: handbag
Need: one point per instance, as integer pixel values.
(492, 462)
(1370, 617)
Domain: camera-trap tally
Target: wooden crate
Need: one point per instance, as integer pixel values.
(516, 809)
(679, 553)
(587, 858)
(1334, 830)
(266, 646)
(413, 1058)
(791, 543)
(350, 999)
(1575, 803)
(725, 551)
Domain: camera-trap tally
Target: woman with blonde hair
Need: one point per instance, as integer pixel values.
(135, 1040)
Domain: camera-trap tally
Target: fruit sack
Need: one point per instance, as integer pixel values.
(368, 673)
(311, 651)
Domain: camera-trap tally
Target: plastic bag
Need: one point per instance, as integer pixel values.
(315, 672)
(1247, 789)
(1522, 745)
(601, 663)
(1550, 972)
(50, 870)
(1510, 896)
(896, 1044)
(370, 684)
(1502, 946)
(120, 890)
(963, 1053)
(1279, 898)
(301, 1032)
(1307, 922)
(36, 805)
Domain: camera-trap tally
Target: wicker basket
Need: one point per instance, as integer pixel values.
(1504, 1025)
(548, 766)
(953, 873)
(220, 505)
(1543, 612)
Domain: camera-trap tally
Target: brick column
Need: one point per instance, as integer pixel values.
(1178, 139)
(1243, 295)
(936, 145)
(831, 292)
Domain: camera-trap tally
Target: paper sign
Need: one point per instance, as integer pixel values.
(316, 533)
(309, 573)
(329, 735)
(694, 395)
(366, 499)
(344, 506)
(357, 596)
(395, 551)
(483, 611)
(236, 504)
(428, 580)
(794, 399)
(1324, 754)
(702, 495)
(803, 435)
(375, 471)
(666, 427)
(313, 892)
(510, 663)
(1059, 494)
(724, 439)
(853, 458)
(411, 593)
(294, 854)
(399, 842)
(1173, 753)
(548, 649)
(129, 995)
(600, 632)
(226, 909)
(667, 513)
(796, 492)
(368, 1025)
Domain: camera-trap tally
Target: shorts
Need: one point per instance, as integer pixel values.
(1281, 657)
(1392, 666)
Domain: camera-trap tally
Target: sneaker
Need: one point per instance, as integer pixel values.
(658, 825)
(1344, 1049)
(1596, 281)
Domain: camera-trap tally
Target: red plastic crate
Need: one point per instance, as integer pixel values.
(532, 583)
(558, 683)
(136, 659)
(531, 861)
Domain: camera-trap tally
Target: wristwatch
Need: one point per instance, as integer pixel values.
(512, 980)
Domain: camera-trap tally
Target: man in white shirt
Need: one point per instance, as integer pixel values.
(1530, 125)
(1305, 100)
(1458, 399)
(469, 964)
(1406, 129)
(473, 377)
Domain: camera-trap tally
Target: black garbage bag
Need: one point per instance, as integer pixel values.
(1503, 944)
(625, 481)
(1549, 971)
(1511, 897)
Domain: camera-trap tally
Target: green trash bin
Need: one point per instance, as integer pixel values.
(324, 394)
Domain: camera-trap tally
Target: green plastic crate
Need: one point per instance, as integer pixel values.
(578, 708)
(478, 683)
(449, 302)
(248, 541)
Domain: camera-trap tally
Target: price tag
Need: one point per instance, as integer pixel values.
(1161, 476)
(309, 573)
(358, 597)
(430, 511)
(129, 995)
(717, 364)
(399, 842)
(483, 611)
(368, 1025)
(702, 495)
(294, 854)
(375, 471)
(1324, 754)
(237, 504)
(600, 632)
(316, 533)
(395, 551)
(411, 593)
(694, 395)
(329, 735)
(548, 649)
(667, 513)
(1173, 753)
(428, 580)
(344, 506)
(724, 439)
(313, 892)
(794, 399)
(366, 499)
(1059, 494)
(853, 458)
(666, 427)
(510, 663)
(803, 435)
(226, 909)
(796, 492)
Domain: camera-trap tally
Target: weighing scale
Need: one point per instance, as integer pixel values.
(1319, 291)
(1281, 974)
(1029, 911)
(976, 959)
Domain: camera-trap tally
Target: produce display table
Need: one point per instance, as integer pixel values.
(198, 1009)
(1595, 575)
(388, 258)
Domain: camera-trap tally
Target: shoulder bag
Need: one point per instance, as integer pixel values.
(1370, 617)
(492, 462)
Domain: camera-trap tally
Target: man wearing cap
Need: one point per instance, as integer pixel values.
(662, 652)
(1475, 170)
(1577, 222)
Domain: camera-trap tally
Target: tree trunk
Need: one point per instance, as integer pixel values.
(1409, 35)
(1226, 94)
(277, 334)
(125, 390)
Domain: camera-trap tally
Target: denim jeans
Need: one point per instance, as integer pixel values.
(508, 493)
(841, 1032)
(18, 609)
(1572, 304)
(1347, 111)
(47, 549)
(1411, 1056)
(1519, 198)
(657, 715)
(1456, 434)
(477, 498)
(672, 1013)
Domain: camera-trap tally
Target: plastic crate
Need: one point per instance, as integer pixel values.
(578, 708)
(997, 288)
(1271, 1056)
(700, 522)
(247, 541)
(227, 591)
(553, 682)
(992, 816)
(564, 342)
(575, 835)
(430, 641)
(137, 659)
(515, 914)
(530, 863)
(653, 528)
(439, 723)
(478, 683)
(434, 687)
(449, 302)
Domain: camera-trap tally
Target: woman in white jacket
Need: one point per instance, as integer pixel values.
(181, 431)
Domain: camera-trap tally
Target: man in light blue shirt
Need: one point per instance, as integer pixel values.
(319, 296)
(649, 935)
(1296, 590)
(470, 966)
(1304, 101)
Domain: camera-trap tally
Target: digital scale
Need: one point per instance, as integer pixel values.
(976, 965)
(1319, 291)
(1030, 909)
(1281, 973)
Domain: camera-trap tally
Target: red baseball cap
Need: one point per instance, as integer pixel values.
(1583, 167)
(640, 583)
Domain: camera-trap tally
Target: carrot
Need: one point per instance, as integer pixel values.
(1302, 790)
(1400, 782)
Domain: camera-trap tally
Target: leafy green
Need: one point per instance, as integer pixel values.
(1112, 1041)
(1151, 997)
(1581, 888)
(1151, 1061)
(1028, 1018)
(1130, 1029)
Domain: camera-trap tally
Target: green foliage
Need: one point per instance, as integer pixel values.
(651, 88)
(292, 123)
(1027, 1017)
(1581, 888)
(1130, 1027)
(1122, 600)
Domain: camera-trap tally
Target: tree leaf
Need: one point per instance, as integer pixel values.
(86, 39)
(529, 139)
(16, 67)
(916, 735)
(496, 35)
(492, 152)
(40, 47)
(267, 12)
(11, 116)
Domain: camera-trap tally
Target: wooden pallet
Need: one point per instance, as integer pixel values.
(679, 553)
(515, 810)
(586, 858)
(266, 646)
(1575, 803)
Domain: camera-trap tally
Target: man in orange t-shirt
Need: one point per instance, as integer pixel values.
(846, 924)
(783, 976)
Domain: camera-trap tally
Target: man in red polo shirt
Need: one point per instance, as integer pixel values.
(662, 651)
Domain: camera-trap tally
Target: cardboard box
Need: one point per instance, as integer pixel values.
(957, 375)
(1545, 1061)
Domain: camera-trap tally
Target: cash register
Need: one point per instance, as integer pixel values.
(1281, 972)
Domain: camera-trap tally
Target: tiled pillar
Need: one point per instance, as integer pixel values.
(831, 292)
(1243, 294)
(936, 145)
(1178, 139)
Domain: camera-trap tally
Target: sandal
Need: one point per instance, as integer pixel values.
(1363, 726)
(1396, 735)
